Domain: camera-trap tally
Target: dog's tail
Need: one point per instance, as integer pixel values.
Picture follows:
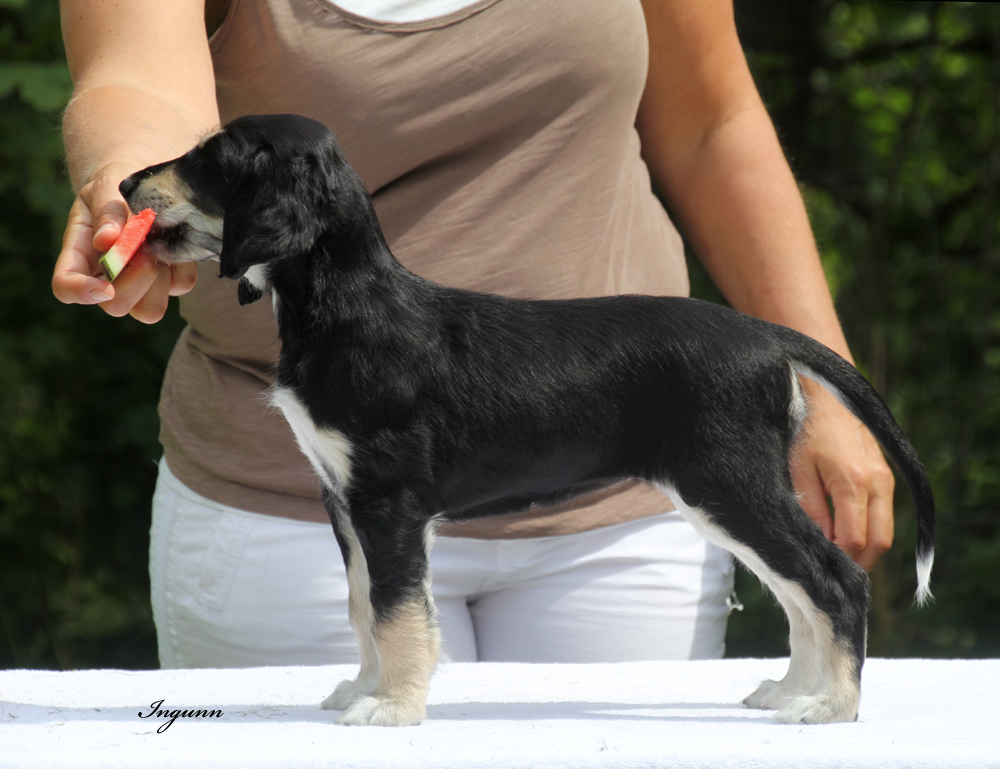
(813, 360)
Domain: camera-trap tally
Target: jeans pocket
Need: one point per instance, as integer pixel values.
(218, 568)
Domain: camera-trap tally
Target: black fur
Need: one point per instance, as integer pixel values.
(459, 405)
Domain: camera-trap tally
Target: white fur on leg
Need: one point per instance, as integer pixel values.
(346, 694)
(361, 617)
(803, 668)
(834, 693)
(821, 686)
(383, 711)
(408, 646)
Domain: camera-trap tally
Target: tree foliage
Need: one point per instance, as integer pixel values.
(78, 435)
(889, 112)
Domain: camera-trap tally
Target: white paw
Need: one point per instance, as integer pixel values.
(770, 695)
(374, 711)
(346, 694)
(819, 709)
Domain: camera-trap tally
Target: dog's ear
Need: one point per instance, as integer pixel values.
(275, 212)
(247, 293)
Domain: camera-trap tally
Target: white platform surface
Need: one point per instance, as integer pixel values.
(914, 713)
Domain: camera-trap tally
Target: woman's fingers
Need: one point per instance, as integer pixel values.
(76, 276)
(95, 222)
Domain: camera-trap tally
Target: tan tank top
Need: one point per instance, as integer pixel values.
(498, 145)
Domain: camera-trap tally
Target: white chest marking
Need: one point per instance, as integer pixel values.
(256, 276)
(328, 451)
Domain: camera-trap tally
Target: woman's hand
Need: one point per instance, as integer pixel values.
(839, 460)
(144, 92)
(95, 222)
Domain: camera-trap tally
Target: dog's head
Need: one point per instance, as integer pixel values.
(262, 189)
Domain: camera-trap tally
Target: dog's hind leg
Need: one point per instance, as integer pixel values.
(403, 628)
(805, 665)
(823, 592)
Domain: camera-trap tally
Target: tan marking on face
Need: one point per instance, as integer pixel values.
(161, 191)
(170, 197)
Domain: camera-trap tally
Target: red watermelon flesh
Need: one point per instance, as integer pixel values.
(133, 233)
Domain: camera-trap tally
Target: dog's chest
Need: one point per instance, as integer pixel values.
(328, 451)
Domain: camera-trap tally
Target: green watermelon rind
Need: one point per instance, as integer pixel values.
(114, 261)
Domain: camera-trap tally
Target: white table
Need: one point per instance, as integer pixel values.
(914, 713)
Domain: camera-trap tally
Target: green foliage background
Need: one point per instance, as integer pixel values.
(890, 114)
(78, 390)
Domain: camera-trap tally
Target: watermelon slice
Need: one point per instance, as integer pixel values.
(133, 233)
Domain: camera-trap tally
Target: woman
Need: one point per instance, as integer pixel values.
(506, 145)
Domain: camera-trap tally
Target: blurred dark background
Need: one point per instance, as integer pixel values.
(889, 112)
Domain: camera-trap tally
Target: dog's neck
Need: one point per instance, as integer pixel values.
(342, 302)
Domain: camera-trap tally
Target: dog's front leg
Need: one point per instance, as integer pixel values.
(359, 608)
(392, 611)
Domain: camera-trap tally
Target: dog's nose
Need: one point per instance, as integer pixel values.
(127, 187)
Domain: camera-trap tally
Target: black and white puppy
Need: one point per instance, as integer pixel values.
(418, 404)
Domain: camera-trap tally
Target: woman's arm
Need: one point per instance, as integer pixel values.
(711, 146)
(144, 92)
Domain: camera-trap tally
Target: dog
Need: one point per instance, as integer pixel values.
(418, 404)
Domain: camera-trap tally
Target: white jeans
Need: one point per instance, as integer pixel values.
(238, 589)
